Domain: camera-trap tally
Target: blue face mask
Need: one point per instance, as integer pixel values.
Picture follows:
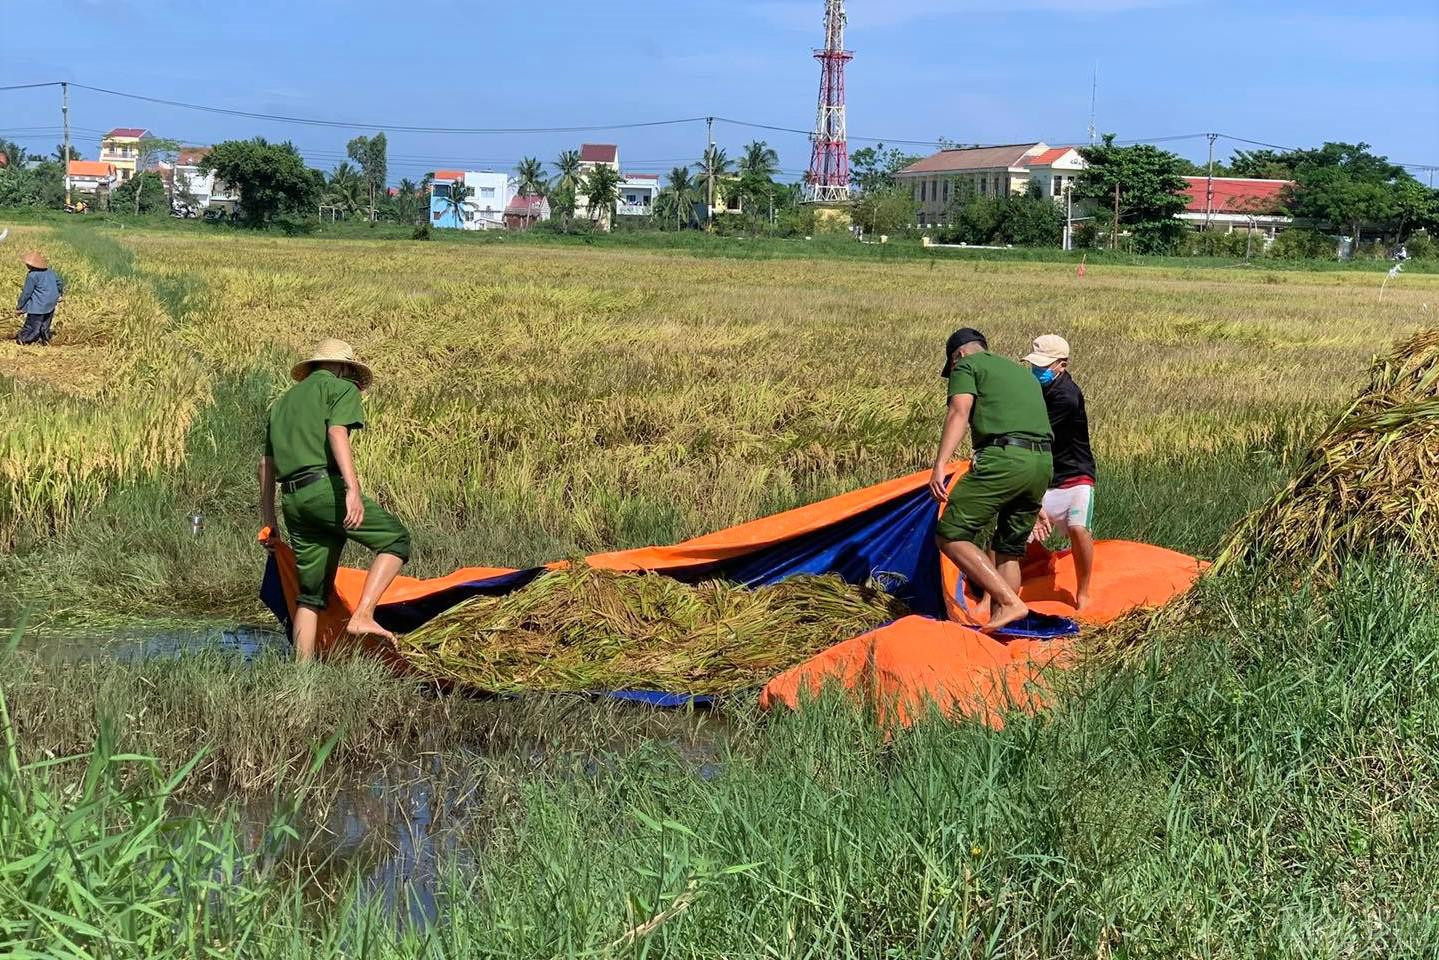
(1044, 375)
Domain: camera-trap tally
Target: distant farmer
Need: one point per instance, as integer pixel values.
(42, 292)
(1004, 405)
(1069, 503)
(307, 452)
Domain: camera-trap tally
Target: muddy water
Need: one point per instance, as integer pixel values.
(147, 642)
(403, 824)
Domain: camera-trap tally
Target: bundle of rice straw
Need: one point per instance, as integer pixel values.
(587, 629)
(1370, 482)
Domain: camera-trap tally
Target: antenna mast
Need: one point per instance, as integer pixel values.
(1093, 95)
(828, 178)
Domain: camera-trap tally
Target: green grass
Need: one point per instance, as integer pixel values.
(1262, 783)
(700, 244)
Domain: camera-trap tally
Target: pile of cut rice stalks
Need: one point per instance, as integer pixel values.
(1371, 482)
(596, 630)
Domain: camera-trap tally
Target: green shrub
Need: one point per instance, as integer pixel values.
(1302, 244)
(1421, 246)
(1221, 243)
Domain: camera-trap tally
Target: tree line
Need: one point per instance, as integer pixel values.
(1129, 194)
(1133, 194)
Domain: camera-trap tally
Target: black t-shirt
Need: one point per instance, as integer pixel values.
(1073, 459)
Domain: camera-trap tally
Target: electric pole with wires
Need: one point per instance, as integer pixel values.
(1209, 182)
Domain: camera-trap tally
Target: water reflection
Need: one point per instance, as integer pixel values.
(135, 643)
(407, 823)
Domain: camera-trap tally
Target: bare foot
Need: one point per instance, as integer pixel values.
(979, 609)
(367, 627)
(1080, 602)
(1003, 616)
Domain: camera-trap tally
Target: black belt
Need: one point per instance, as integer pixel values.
(1024, 443)
(303, 480)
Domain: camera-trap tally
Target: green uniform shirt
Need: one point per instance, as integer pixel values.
(295, 436)
(1008, 400)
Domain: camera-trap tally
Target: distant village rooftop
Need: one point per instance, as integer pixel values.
(599, 153)
(960, 159)
(1236, 195)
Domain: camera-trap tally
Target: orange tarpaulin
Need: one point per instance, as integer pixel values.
(1127, 575)
(904, 664)
(916, 663)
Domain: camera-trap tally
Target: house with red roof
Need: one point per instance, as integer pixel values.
(193, 192)
(594, 155)
(526, 210)
(1229, 202)
(121, 148)
(939, 179)
(89, 176)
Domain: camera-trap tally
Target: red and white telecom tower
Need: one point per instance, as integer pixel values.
(828, 177)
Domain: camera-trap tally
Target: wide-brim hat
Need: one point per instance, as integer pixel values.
(36, 259)
(331, 350)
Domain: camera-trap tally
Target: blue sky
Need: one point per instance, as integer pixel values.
(993, 72)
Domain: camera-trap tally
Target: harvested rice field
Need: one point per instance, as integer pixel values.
(1256, 775)
(537, 403)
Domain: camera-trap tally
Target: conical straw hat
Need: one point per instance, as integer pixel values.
(35, 259)
(331, 350)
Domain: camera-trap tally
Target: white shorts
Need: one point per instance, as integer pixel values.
(1069, 507)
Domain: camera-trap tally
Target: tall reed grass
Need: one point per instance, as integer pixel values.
(1262, 785)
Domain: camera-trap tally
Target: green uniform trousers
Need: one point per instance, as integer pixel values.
(1004, 484)
(315, 521)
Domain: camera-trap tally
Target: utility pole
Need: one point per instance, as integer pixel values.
(1069, 217)
(1114, 233)
(1209, 185)
(710, 173)
(65, 116)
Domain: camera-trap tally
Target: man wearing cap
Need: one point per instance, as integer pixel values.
(1002, 403)
(42, 292)
(1069, 503)
(307, 452)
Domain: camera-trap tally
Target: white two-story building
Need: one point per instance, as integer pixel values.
(486, 194)
(637, 194)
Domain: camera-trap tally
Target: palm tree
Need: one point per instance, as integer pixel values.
(407, 201)
(759, 161)
(756, 172)
(346, 189)
(678, 197)
(531, 176)
(602, 190)
(567, 170)
(713, 166)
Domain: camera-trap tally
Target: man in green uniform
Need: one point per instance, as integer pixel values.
(307, 452)
(1003, 403)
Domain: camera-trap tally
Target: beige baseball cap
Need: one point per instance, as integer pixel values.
(1047, 349)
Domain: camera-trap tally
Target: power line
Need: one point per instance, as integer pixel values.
(372, 125)
(30, 86)
(583, 128)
